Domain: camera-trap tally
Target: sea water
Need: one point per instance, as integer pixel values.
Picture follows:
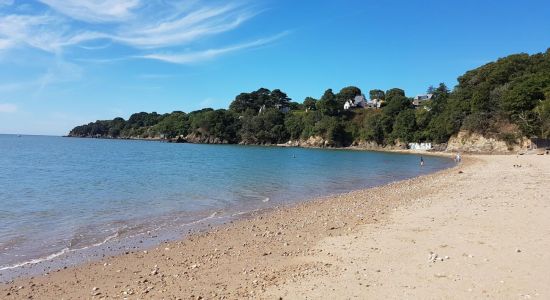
(69, 195)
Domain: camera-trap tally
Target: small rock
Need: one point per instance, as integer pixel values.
(518, 250)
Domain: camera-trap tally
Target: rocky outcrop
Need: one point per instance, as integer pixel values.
(319, 142)
(369, 145)
(311, 142)
(204, 139)
(477, 143)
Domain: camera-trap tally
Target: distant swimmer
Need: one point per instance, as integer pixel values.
(421, 161)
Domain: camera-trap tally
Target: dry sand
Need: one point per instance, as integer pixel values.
(480, 233)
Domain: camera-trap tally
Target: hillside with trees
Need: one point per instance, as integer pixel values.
(506, 99)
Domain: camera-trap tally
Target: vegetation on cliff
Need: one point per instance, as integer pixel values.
(505, 99)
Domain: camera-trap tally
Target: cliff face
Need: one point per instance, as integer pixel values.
(462, 142)
(313, 141)
(319, 142)
(477, 143)
(204, 139)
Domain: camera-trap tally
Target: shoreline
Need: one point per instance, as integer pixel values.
(112, 247)
(206, 229)
(357, 243)
(383, 149)
(378, 148)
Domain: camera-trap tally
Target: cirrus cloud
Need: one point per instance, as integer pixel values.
(96, 11)
(144, 27)
(8, 108)
(193, 57)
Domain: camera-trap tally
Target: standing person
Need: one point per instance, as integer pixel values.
(421, 161)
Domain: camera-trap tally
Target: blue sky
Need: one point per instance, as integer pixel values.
(68, 62)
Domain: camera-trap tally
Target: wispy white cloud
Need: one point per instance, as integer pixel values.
(61, 71)
(43, 32)
(6, 2)
(198, 56)
(8, 108)
(5, 44)
(96, 11)
(159, 26)
(184, 29)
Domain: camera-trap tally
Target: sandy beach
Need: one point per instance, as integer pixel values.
(480, 230)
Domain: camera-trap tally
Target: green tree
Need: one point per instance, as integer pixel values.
(347, 93)
(328, 105)
(294, 125)
(395, 92)
(543, 115)
(310, 103)
(174, 124)
(377, 94)
(404, 127)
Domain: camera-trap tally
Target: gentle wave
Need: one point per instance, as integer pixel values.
(57, 254)
(107, 239)
(36, 260)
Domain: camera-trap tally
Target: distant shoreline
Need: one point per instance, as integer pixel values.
(284, 145)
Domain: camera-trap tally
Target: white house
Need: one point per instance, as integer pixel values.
(348, 104)
(358, 102)
(375, 103)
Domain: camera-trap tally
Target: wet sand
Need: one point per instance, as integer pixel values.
(481, 232)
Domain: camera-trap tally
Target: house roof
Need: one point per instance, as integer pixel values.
(424, 97)
(358, 99)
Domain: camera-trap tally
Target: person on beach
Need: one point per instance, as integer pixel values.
(421, 161)
(457, 157)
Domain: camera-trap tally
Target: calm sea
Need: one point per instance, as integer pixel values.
(66, 195)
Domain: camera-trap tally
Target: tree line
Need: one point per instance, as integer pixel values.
(506, 99)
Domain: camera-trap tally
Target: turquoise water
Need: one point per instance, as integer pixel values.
(61, 195)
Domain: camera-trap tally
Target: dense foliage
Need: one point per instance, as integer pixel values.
(508, 98)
